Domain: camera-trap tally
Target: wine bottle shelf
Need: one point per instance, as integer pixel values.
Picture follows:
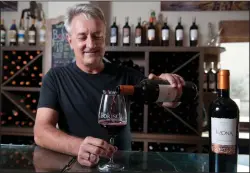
(171, 147)
(137, 146)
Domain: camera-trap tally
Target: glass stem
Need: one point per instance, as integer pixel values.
(112, 142)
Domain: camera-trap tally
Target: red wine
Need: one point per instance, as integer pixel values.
(223, 133)
(126, 33)
(193, 34)
(113, 127)
(179, 34)
(114, 33)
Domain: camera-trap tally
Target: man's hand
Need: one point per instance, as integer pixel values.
(91, 149)
(175, 80)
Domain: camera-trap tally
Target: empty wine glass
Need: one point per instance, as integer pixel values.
(112, 116)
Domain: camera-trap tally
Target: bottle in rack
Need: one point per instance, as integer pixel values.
(32, 33)
(114, 33)
(21, 33)
(42, 33)
(205, 77)
(223, 133)
(179, 33)
(13, 34)
(193, 34)
(126, 33)
(3, 33)
(151, 33)
(151, 91)
(212, 78)
(165, 34)
(138, 33)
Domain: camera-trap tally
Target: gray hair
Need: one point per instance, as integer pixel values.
(89, 11)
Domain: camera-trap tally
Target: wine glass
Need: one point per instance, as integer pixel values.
(112, 116)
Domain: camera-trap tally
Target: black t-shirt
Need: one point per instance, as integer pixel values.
(76, 96)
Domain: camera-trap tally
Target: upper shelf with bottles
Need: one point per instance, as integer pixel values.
(23, 36)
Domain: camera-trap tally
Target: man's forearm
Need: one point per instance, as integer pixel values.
(56, 140)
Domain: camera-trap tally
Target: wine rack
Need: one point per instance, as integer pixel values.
(21, 77)
(171, 147)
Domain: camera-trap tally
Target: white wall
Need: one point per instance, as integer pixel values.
(56, 9)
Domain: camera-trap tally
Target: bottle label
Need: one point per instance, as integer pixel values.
(223, 135)
(194, 34)
(113, 37)
(3, 36)
(167, 93)
(42, 35)
(138, 36)
(21, 36)
(165, 34)
(179, 34)
(151, 34)
(125, 35)
(12, 35)
(32, 36)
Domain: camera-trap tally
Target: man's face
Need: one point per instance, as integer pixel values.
(87, 39)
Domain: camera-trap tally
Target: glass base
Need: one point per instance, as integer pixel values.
(110, 167)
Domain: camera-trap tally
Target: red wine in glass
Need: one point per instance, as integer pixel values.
(113, 127)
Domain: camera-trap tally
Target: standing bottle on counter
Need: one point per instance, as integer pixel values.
(3, 33)
(21, 33)
(151, 91)
(114, 33)
(165, 34)
(179, 34)
(151, 32)
(193, 34)
(224, 134)
(32, 33)
(126, 33)
(138, 33)
(13, 34)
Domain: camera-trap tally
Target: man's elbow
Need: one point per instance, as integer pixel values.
(38, 135)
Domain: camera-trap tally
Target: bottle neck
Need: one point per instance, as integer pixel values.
(223, 93)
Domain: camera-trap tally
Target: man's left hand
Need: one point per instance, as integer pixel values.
(175, 80)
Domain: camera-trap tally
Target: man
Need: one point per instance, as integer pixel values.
(70, 95)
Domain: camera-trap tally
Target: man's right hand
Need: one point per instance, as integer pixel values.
(91, 149)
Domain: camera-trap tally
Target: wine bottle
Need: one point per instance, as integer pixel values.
(223, 133)
(151, 33)
(32, 33)
(205, 78)
(193, 34)
(21, 33)
(165, 34)
(114, 33)
(3, 33)
(138, 33)
(151, 91)
(13, 33)
(42, 33)
(212, 78)
(179, 34)
(126, 33)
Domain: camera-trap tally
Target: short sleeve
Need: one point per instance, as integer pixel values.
(48, 92)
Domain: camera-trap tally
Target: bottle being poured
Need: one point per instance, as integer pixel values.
(157, 91)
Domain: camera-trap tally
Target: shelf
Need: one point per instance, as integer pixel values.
(207, 50)
(22, 48)
(28, 89)
(14, 100)
(17, 131)
(185, 139)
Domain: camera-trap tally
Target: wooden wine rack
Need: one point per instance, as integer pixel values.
(7, 91)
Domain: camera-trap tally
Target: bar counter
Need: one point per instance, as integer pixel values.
(32, 158)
